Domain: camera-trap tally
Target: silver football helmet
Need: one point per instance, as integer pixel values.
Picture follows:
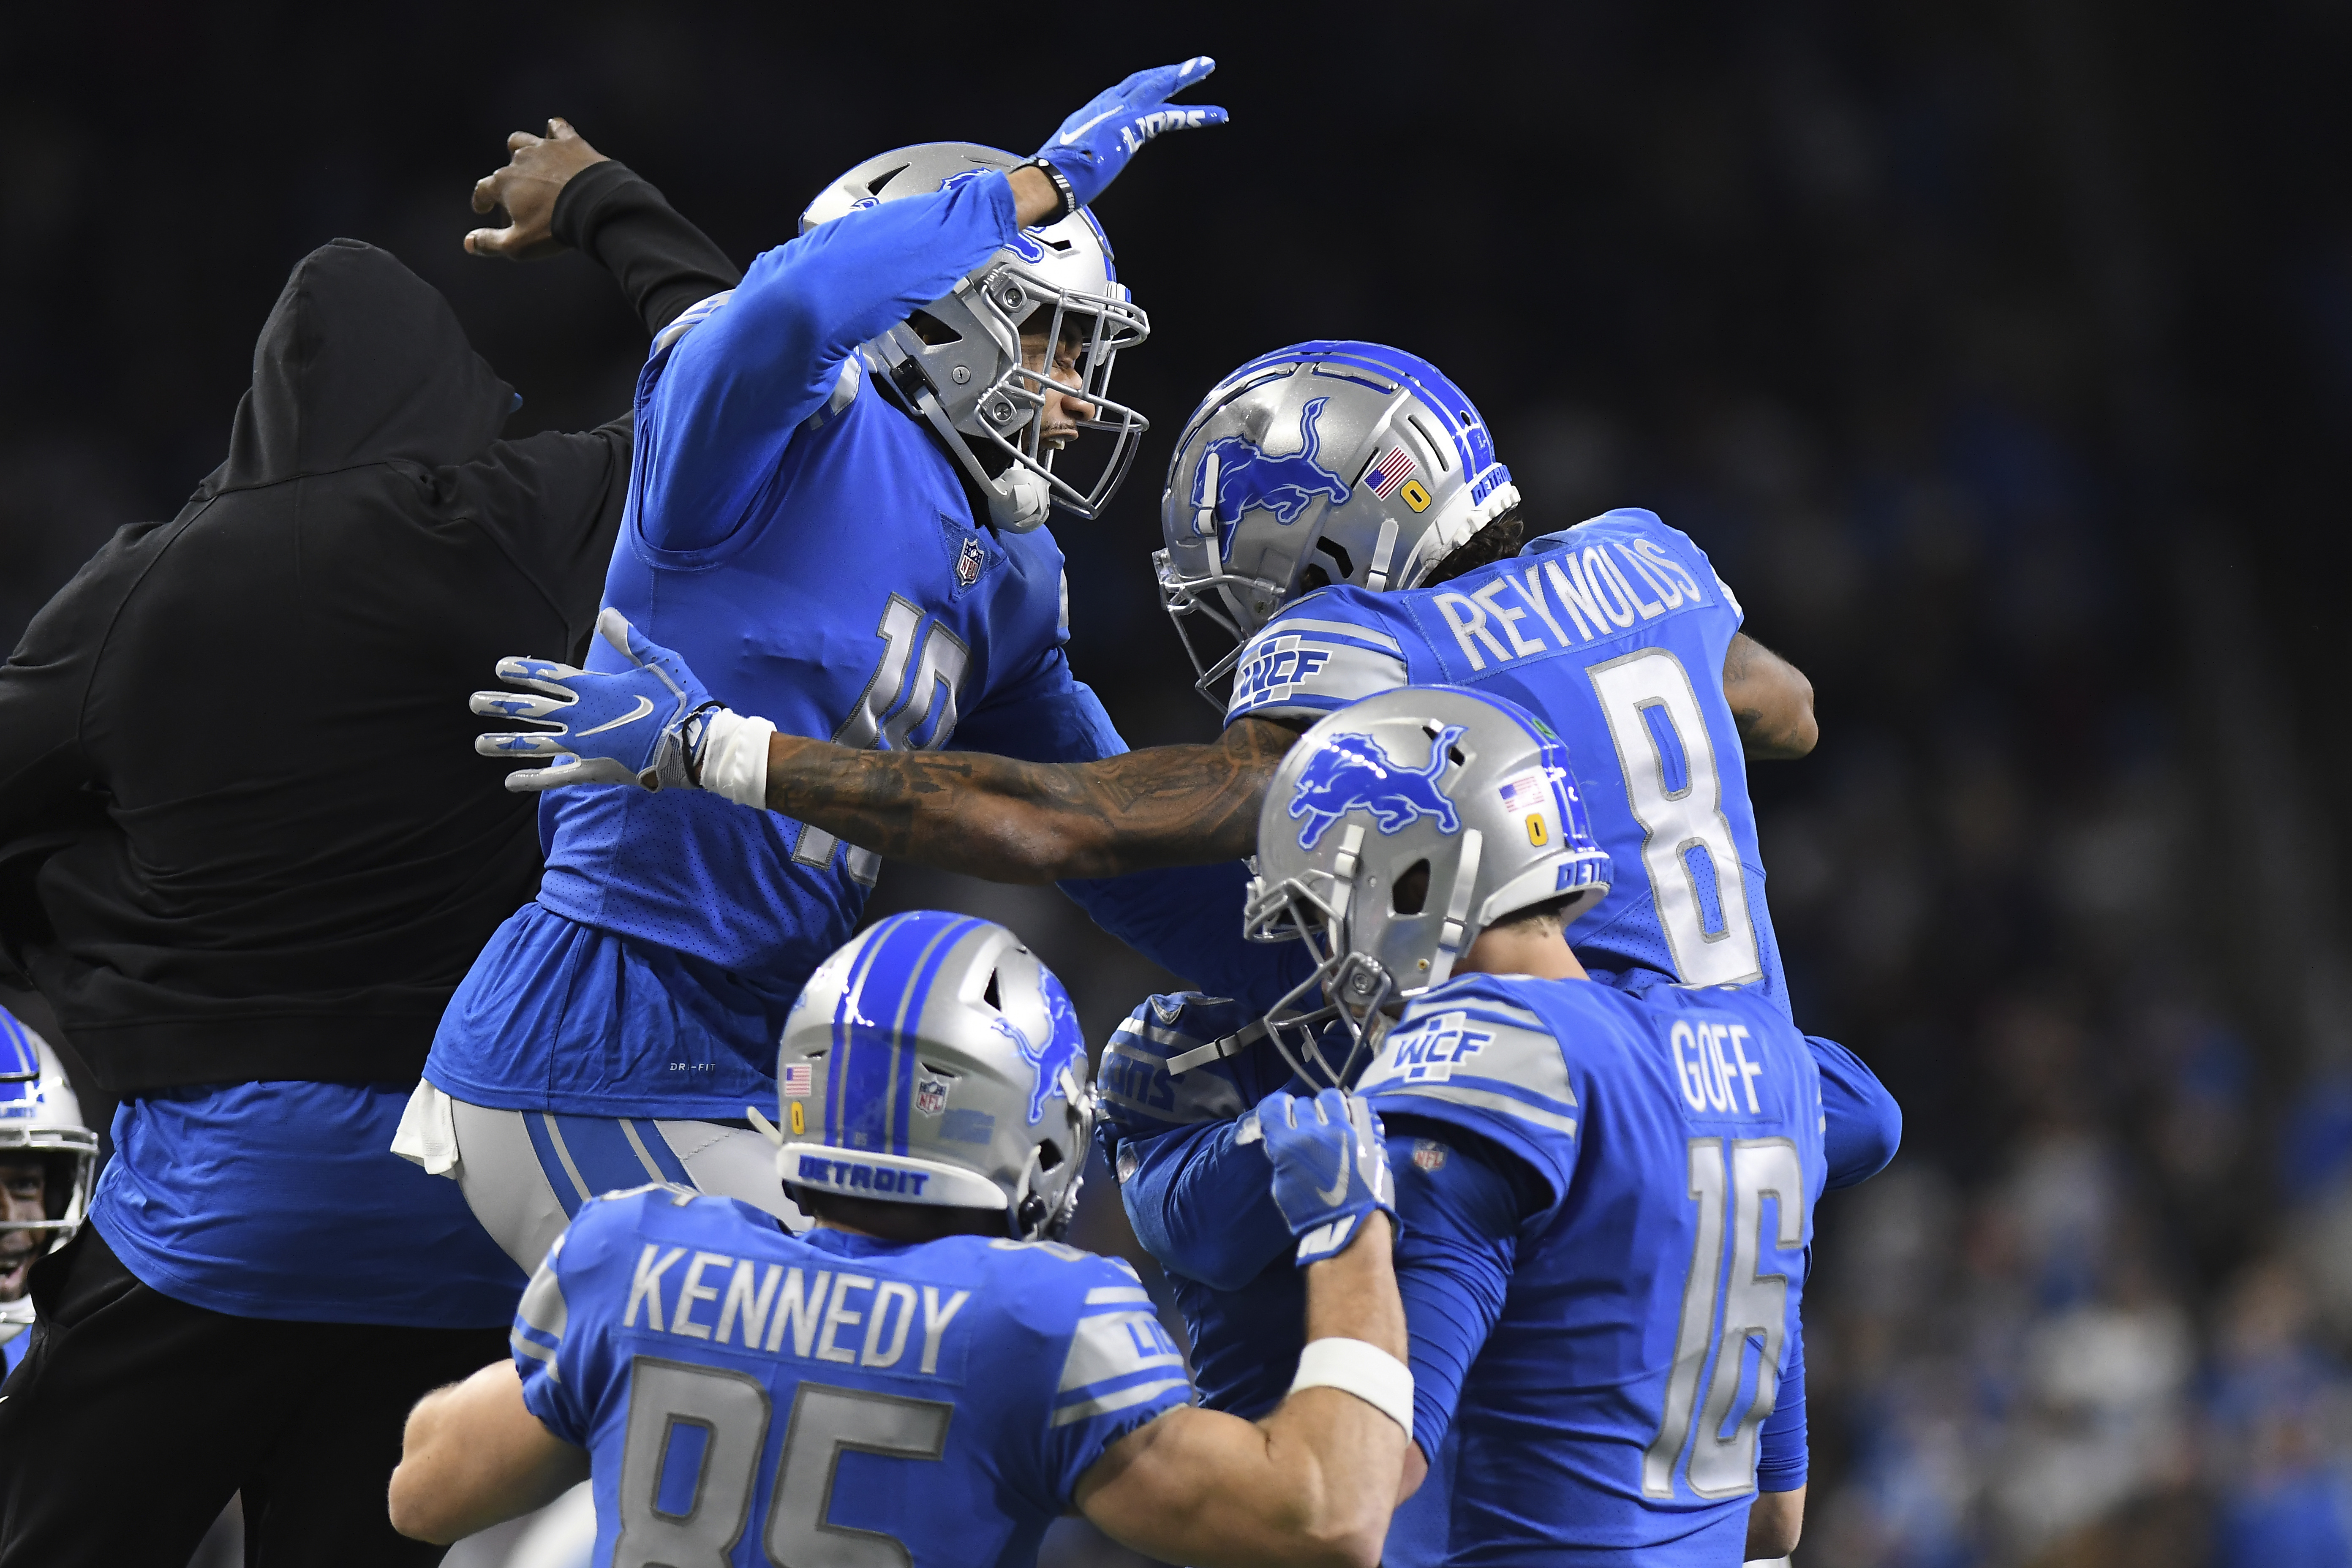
(935, 1060)
(40, 1116)
(1395, 831)
(1356, 460)
(957, 362)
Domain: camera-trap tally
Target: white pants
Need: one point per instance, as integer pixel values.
(526, 1172)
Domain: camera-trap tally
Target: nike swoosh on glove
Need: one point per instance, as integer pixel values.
(1331, 1166)
(1094, 145)
(644, 725)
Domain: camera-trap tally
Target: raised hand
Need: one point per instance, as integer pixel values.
(642, 726)
(527, 187)
(1094, 145)
(1331, 1166)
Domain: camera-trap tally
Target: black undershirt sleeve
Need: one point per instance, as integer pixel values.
(617, 219)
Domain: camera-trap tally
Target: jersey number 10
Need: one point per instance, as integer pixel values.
(1754, 1308)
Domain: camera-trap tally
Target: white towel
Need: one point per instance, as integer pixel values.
(428, 1132)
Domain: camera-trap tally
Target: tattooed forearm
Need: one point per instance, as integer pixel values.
(1771, 700)
(1036, 822)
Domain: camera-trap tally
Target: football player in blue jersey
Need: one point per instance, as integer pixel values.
(927, 1377)
(843, 469)
(46, 1156)
(1605, 1192)
(1340, 509)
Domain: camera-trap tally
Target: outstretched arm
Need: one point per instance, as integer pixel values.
(982, 815)
(1036, 822)
(1770, 699)
(474, 1455)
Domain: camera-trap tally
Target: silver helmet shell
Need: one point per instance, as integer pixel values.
(1362, 461)
(1473, 789)
(934, 1060)
(41, 1116)
(957, 362)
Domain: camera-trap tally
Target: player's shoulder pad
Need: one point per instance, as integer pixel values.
(1116, 1356)
(1322, 652)
(1482, 1043)
(1134, 1079)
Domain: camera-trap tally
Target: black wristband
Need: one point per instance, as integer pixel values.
(1061, 183)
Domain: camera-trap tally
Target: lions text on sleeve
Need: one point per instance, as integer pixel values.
(749, 1397)
(1614, 632)
(1652, 1308)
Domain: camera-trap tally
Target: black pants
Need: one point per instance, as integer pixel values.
(134, 1418)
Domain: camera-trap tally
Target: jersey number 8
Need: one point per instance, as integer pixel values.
(1677, 794)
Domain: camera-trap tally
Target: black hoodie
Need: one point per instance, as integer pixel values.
(248, 835)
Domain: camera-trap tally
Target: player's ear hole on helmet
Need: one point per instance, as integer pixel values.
(1498, 539)
(1314, 576)
(1049, 1155)
(934, 333)
(1409, 894)
(991, 995)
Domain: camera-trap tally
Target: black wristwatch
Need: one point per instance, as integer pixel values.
(1061, 183)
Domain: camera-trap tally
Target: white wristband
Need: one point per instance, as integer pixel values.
(735, 757)
(1364, 1370)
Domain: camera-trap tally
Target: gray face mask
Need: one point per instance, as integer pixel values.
(957, 363)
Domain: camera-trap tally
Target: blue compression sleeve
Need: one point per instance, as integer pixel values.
(1460, 1215)
(1781, 1457)
(1862, 1125)
(720, 412)
(1203, 1207)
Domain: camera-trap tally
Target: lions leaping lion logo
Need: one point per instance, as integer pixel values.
(1351, 772)
(1283, 484)
(1063, 1048)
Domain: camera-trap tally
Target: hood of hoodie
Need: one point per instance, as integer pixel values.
(361, 360)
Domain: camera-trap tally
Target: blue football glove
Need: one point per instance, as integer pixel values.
(643, 726)
(1094, 145)
(1331, 1166)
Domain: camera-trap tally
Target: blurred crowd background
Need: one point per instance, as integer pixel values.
(2000, 354)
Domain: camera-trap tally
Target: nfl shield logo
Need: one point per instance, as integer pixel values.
(930, 1096)
(969, 561)
(1429, 1153)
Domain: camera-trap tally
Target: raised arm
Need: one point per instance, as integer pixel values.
(1770, 699)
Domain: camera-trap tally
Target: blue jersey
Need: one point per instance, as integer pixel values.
(1608, 1362)
(810, 550)
(748, 1397)
(1200, 1204)
(1614, 631)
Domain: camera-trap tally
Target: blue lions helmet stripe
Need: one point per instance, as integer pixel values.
(1248, 476)
(1352, 772)
(870, 1085)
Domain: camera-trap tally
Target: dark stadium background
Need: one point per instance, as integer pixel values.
(2000, 353)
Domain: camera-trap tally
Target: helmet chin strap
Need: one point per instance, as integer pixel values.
(1019, 500)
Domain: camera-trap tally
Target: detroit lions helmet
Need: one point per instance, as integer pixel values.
(933, 1059)
(1361, 462)
(957, 362)
(1471, 791)
(41, 1116)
